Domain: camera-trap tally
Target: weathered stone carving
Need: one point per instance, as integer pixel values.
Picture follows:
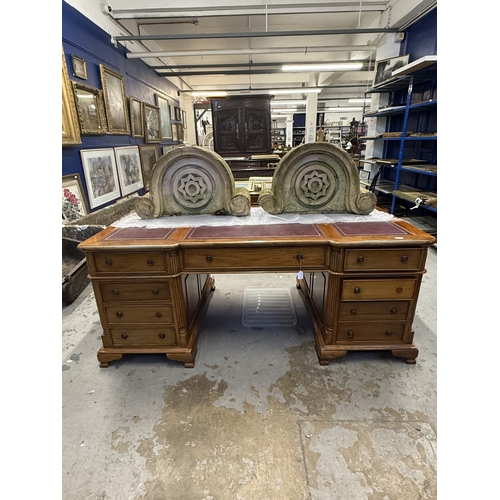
(317, 177)
(191, 180)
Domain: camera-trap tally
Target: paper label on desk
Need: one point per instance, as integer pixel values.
(300, 275)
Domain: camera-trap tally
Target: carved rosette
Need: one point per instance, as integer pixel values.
(192, 180)
(318, 177)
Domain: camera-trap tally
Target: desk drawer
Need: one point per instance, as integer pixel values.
(144, 291)
(140, 314)
(366, 311)
(150, 336)
(393, 259)
(379, 289)
(129, 262)
(268, 258)
(386, 332)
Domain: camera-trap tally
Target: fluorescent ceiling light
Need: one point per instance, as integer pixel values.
(209, 93)
(295, 91)
(285, 103)
(346, 109)
(361, 101)
(287, 110)
(322, 67)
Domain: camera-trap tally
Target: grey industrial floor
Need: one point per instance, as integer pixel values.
(257, 418)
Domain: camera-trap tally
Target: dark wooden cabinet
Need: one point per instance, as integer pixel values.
(242, 125)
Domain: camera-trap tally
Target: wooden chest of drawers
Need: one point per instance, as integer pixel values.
(360, 283)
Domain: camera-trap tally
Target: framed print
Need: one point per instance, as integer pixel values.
(178, 115)
(90, 107)
(101, 176)
(79, 67)
(180, 131)
(74, 203)
(166, 149)
(385, 67)
(246, 184)
(174, 132)
(152, 124)
(149, 156)
(172, 112)
(166, 124)
(113, 88)
(184, 119)
(129, 168)
(70, 126)
(136, 117)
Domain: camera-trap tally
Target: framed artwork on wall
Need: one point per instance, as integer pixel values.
(385, 67)
(172, 111)
(184, 119)
(70, 125)
(113, 88)
(152, 124)
(180, 132)
(129, 168)
(136, 117)
(90, 107)
(175, 137)
(149, 156)
(166, 124)
(166, 149)
(101, 176)
(74, 203)
(79, 67)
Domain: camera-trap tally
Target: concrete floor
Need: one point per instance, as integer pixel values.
(257, 418)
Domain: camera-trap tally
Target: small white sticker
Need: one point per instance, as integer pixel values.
(300, 275)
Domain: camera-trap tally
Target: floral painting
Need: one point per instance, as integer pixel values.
(74, 205)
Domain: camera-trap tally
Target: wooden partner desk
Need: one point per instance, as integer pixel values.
(360, 285)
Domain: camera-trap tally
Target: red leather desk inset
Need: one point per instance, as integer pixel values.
(361, 282)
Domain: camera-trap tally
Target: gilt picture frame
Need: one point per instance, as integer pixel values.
(136, 117)
(152, 123)
(79, 67)
(101, 175)
(113, 87)
(70, 126)
(128, 164)
(90, 106)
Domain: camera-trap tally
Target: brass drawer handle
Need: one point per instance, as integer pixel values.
(156, 291)
(360, 259)
(357, 290)
(388, 332)
(115, 291)
(353, 311)
(151, 262)
(299, 256)
(350, 334)
(209, 258)
(162, 335)
(124, 336)
(119, 314)
(394, 311)
(404, 259)
(109, 262)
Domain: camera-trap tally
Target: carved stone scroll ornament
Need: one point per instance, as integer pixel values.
(191, 180)
(317, 177)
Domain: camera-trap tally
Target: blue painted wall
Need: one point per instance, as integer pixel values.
(421, 38)
(84, 39)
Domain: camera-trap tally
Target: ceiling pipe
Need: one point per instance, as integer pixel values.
(257, 34)
(278, 50)
(273, 65)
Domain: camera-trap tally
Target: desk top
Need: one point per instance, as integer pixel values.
(366, 234)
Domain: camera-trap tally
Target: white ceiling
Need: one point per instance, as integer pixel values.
(237, 46)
